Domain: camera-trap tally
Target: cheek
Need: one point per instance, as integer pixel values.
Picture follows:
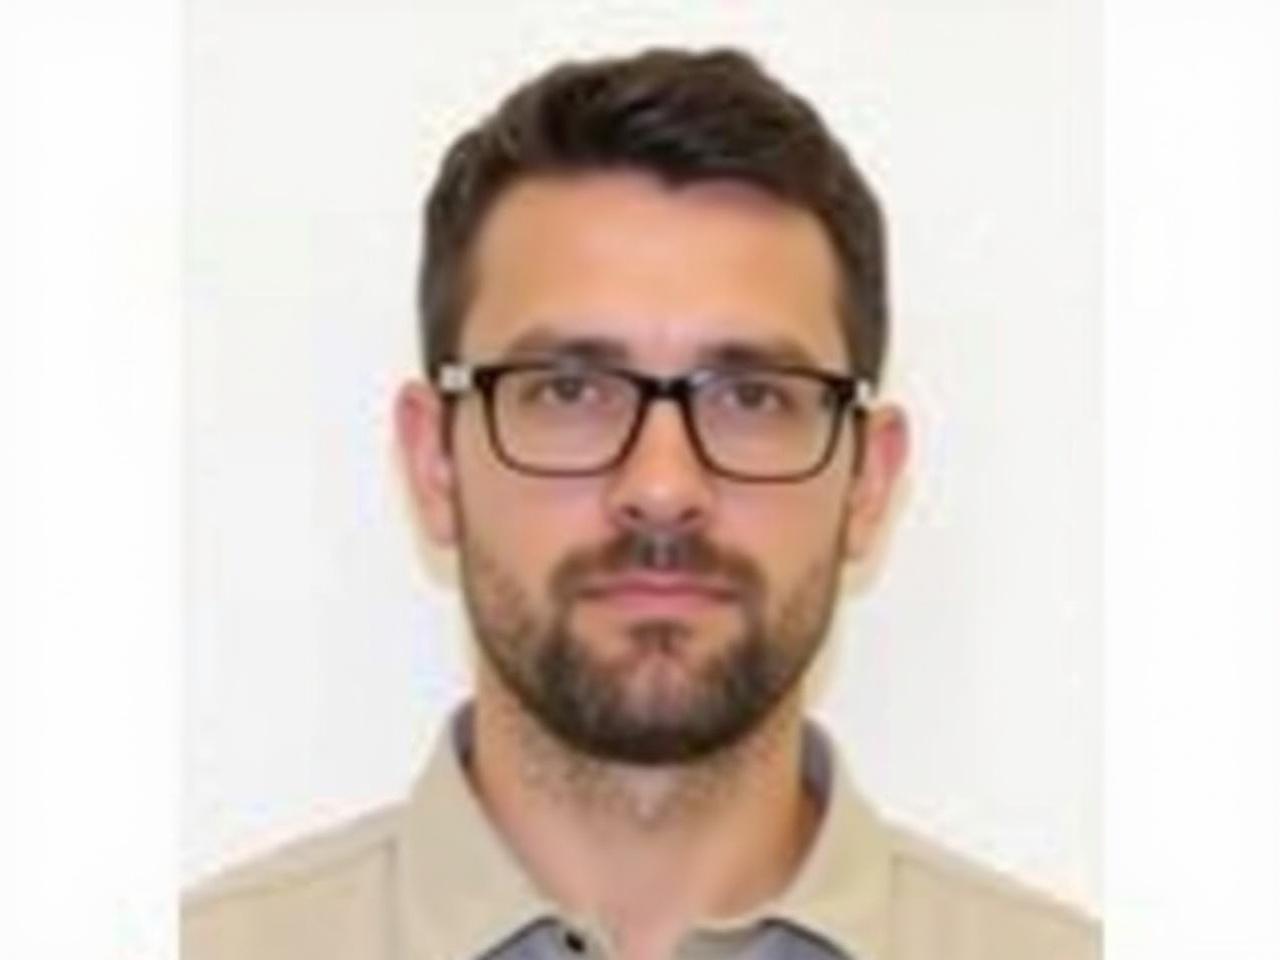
(526, 523)
(786, 530)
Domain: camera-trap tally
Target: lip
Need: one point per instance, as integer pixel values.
(658, 590)
(659, 585)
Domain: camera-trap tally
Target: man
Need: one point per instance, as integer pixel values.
(654, 314)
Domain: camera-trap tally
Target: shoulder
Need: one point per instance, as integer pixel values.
(300, 900)
(947, 905)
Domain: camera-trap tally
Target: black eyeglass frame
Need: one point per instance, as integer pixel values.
(455, 380)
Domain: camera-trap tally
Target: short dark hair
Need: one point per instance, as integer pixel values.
(682, 116)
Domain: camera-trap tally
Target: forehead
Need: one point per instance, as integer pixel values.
(664, 273)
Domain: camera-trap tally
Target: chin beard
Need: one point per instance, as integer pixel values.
(595, 709)
(598, 711)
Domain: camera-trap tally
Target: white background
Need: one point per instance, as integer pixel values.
(320, 655)
(91, 627)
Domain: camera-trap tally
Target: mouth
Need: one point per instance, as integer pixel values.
(658, 593)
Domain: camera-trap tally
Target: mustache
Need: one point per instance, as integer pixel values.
(645, 550)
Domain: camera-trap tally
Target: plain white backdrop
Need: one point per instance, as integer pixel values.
(90, 625)
(320, 657)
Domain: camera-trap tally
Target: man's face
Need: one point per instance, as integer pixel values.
(657, 612)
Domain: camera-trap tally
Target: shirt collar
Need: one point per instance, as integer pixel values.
(448, 849)
(841, 890)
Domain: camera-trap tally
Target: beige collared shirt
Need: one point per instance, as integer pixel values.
(433, 880)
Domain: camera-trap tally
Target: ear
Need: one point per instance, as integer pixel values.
(419, 421)
(885, 442)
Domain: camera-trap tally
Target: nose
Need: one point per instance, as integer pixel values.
(661, 483)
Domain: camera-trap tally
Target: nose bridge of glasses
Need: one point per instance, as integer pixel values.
(675, 388)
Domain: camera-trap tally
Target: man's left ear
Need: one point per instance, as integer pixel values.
(885, 442)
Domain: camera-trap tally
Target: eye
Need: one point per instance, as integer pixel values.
(567, 390)
(754, 395)
(563, 389)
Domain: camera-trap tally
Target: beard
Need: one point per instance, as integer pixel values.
(592, 705)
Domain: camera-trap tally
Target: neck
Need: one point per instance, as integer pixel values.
(646, 850)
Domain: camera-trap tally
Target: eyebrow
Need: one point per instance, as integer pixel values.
(540, 342)
(775, 351)
(545, 342)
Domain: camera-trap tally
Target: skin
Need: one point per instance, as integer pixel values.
(648, 848)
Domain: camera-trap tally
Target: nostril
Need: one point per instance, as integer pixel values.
(674, 521)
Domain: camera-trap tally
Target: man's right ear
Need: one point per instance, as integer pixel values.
(420, 431)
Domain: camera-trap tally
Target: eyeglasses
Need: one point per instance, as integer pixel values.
(563, 419)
